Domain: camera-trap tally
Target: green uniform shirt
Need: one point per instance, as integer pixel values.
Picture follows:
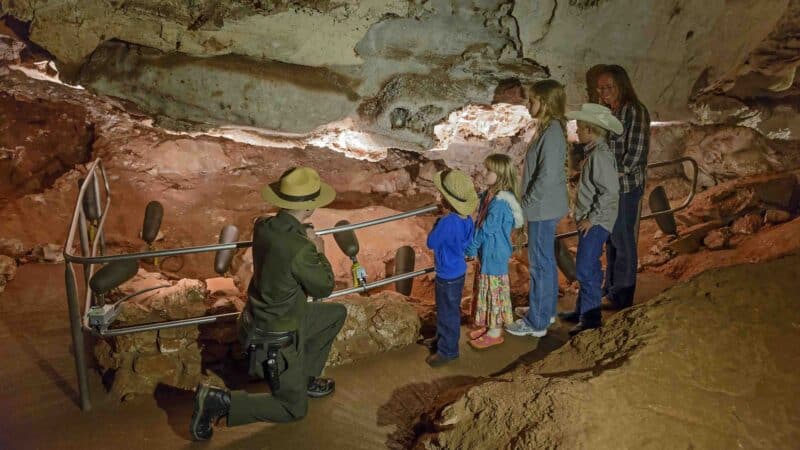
(286, 269)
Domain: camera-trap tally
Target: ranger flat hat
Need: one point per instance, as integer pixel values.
(299, 188)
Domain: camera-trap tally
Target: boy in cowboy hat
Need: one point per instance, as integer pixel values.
(288, 338)
(595, 209)
(449, 239)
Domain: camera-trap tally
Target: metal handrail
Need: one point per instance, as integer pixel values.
(237, 245)
(79, 324)
(684, 205)
(213, 318)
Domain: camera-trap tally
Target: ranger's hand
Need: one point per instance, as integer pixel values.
(317, 240)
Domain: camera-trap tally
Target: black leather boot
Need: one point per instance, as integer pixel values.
(572, 316)
(589, 320)
(210, 404)
(320, 387)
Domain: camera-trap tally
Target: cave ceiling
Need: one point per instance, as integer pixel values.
(397, 69)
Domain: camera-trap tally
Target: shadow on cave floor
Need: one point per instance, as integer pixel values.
(377, 402)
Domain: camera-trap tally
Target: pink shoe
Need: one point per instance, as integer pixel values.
(478, 332)
(486, 341)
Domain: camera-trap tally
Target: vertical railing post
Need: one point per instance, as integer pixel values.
(78, 349)
(100, 212)
(86, 249)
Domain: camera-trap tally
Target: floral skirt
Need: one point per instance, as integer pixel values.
(493, 307)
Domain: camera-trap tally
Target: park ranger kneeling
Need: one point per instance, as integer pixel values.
(287, 337)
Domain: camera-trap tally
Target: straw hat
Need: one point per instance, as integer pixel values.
(597, 115)
(299, 188)
(458, 189)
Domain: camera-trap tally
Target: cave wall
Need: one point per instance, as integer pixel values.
(666, 46)
(400, 67)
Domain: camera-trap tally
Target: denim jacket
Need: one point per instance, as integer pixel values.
(492, 242)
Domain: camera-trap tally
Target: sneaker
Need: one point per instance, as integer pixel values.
(520, 328)
(522, 311)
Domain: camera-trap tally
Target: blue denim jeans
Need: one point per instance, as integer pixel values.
(621, 251)
(448, 315)
(543, 293)
(589, 270)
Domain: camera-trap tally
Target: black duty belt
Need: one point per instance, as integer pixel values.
(264, 349)
(280, 339)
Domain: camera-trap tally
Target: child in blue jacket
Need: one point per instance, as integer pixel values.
(449, 238)
(498, 214)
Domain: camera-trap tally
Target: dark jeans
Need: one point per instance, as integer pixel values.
(589, 270)
(621, 251)
(448, 315)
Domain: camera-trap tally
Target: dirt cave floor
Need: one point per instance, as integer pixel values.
(376, 405)
(711, 363)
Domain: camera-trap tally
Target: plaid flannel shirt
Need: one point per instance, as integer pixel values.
(631, 147)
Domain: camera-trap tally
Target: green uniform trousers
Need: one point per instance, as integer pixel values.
(305, 359)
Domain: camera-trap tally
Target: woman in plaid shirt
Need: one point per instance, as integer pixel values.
(614, 89)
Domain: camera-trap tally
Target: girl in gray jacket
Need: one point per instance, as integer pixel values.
(544, 202)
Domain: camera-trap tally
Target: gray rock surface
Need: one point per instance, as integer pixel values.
(398, 68)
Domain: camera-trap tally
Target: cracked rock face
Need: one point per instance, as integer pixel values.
(398, 68)
(288, 68)
(656, 371)
(375, 324)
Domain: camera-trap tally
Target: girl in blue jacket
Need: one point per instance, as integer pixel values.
(498, 214)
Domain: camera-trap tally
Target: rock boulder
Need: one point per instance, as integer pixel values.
(375, 324)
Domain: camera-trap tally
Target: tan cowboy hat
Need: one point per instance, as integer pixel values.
(299, 188)
(458, 189)
(597, 115)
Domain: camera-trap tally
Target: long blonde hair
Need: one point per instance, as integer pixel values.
(504, 167)
(553, 103)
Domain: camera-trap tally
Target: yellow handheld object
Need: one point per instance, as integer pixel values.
(359, 274)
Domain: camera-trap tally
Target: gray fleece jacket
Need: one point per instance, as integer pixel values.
(544, 179)
(598, 189)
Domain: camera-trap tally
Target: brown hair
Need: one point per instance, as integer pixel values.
(503, 166)
(553, 102)
(627, 95)
(592, 74)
